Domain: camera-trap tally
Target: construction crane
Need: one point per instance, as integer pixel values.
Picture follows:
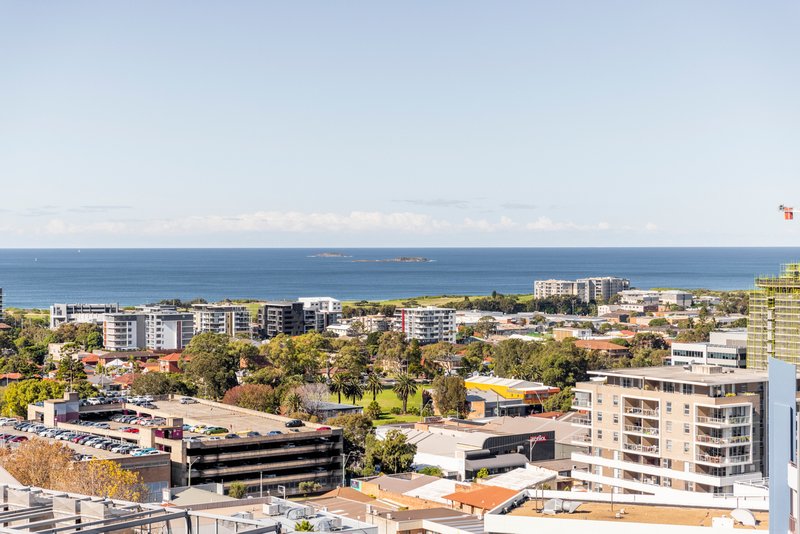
(788, 213)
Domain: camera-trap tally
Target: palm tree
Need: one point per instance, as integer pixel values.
(374, 385)
(404, 388)
(353, 388)
(293, 402)
(338, 384)
(304, 526)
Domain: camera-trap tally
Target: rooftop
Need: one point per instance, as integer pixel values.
(594, 344)
(511, 383)
(679, 374)
(634, 513)
(487, 497)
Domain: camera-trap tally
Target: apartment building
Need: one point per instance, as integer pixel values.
(586, 289)
(229, 319)
(320, 312)
(166, 328)
(657, 430)
(80, 313)
(638, 296)
(281, 317)
(429, 324)
(676, 298)
(774, 321)
(725, 348)
(124, 331)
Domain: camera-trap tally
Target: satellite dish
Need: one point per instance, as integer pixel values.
(744, 516)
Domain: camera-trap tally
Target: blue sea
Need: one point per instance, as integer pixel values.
(38, 277)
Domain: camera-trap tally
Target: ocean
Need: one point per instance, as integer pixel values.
(36, 278)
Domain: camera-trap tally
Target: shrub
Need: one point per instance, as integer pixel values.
(237, 490)
(373, 410)
(396, 410)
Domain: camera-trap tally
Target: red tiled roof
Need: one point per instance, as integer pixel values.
(594, 344)
(175, 357)
(91, 358)
(11, 376)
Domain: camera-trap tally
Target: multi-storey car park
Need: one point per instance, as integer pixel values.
(255, 448)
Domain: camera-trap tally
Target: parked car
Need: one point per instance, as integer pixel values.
(188, 400)
(294, 423)
(323, 428)
(274, 433)
(232, 436)
(215, 430)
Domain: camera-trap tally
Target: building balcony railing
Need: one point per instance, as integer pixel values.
(641, 411)
(581, 421)
(737, 420)
(647, 449)
(641, 430)
(582, 403)
(709, 459)
(733, 440)
(582, 440)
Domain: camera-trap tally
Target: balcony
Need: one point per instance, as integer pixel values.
(641, 430)
(723, 421)
(643, 412)
(581, 403)
(723, 460)
(581, 421)
(582, 441)
(714, 440)
(644, 449)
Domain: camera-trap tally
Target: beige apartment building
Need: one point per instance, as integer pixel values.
(656, 430)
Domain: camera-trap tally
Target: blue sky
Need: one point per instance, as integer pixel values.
(411, 123)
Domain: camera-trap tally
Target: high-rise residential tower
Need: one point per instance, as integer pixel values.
(773, 328)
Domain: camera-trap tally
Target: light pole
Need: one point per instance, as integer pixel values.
(345, 457)
(191, 463)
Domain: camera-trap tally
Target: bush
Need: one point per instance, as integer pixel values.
(373, 410)
(396, 410)
(482, 473)
(237, 490)
(431, 470)
(413, 410)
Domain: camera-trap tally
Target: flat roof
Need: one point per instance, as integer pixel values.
(675, 373)
(640, 513)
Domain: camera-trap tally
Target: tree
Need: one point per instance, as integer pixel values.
(431, 470)
(559, 402)
(338, 385)
(237, 490)
(355, 429)
(18, 396)
(304, 526)
(70, 368)
(486, 326)
(353, 388)
(160, 384)
(213, 364)
(404, 388)
(253, 397)
(313, 396)
(450, 395)
(373, 410)
(351, 358)
(50, 465)
(482, 473)
(393, 453)
(309, 486)
(374, 385)
(292, 402)
(391, 351)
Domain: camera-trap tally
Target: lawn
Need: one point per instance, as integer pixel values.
(388, 400)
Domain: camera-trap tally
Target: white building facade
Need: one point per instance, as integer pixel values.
(229, 319)
(80, 313)
(429, 324)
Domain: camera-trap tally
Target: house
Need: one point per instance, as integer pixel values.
(611, 349)
(170, 363)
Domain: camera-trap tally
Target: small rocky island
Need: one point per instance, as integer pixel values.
(330, 255)
(401, 259)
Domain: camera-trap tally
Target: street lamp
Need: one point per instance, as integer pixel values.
(345, 457)
(191, 463)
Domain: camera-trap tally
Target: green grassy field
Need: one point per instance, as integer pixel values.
(388, 400)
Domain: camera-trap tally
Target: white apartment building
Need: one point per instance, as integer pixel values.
(230, 319)
(586, 289)
(727, 348)
(429, 324)
(321, 312)
(638, 296)
(124, 331)
(79, 313)
(167, 329)
(676, 298)
(658, 430)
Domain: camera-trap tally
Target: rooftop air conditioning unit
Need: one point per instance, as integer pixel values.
(335, 523)
(272, 509)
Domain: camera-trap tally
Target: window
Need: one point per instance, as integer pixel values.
(599, 434)
(686, 428)
(687, 389)
(599, 398)
(669, 444)
(615, 400)
(685, 446)
(669, 426)
(616, 436)
(685, 409)
(616, 419)
(599, 416)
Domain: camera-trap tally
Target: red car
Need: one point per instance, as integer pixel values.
(323, 428)
(131, 430)
(18, 439)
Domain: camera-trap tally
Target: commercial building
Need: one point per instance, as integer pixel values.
(511, 396)
(281, 317)
(773, 328)
(586, 289)
(429, 324)
(321, 312)
(229, 319)
(725, 348)
(264, 454)
(80, 313)
(664, 429)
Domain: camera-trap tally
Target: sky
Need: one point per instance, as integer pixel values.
(413, 123)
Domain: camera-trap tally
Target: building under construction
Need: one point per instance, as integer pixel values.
(773, 328)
